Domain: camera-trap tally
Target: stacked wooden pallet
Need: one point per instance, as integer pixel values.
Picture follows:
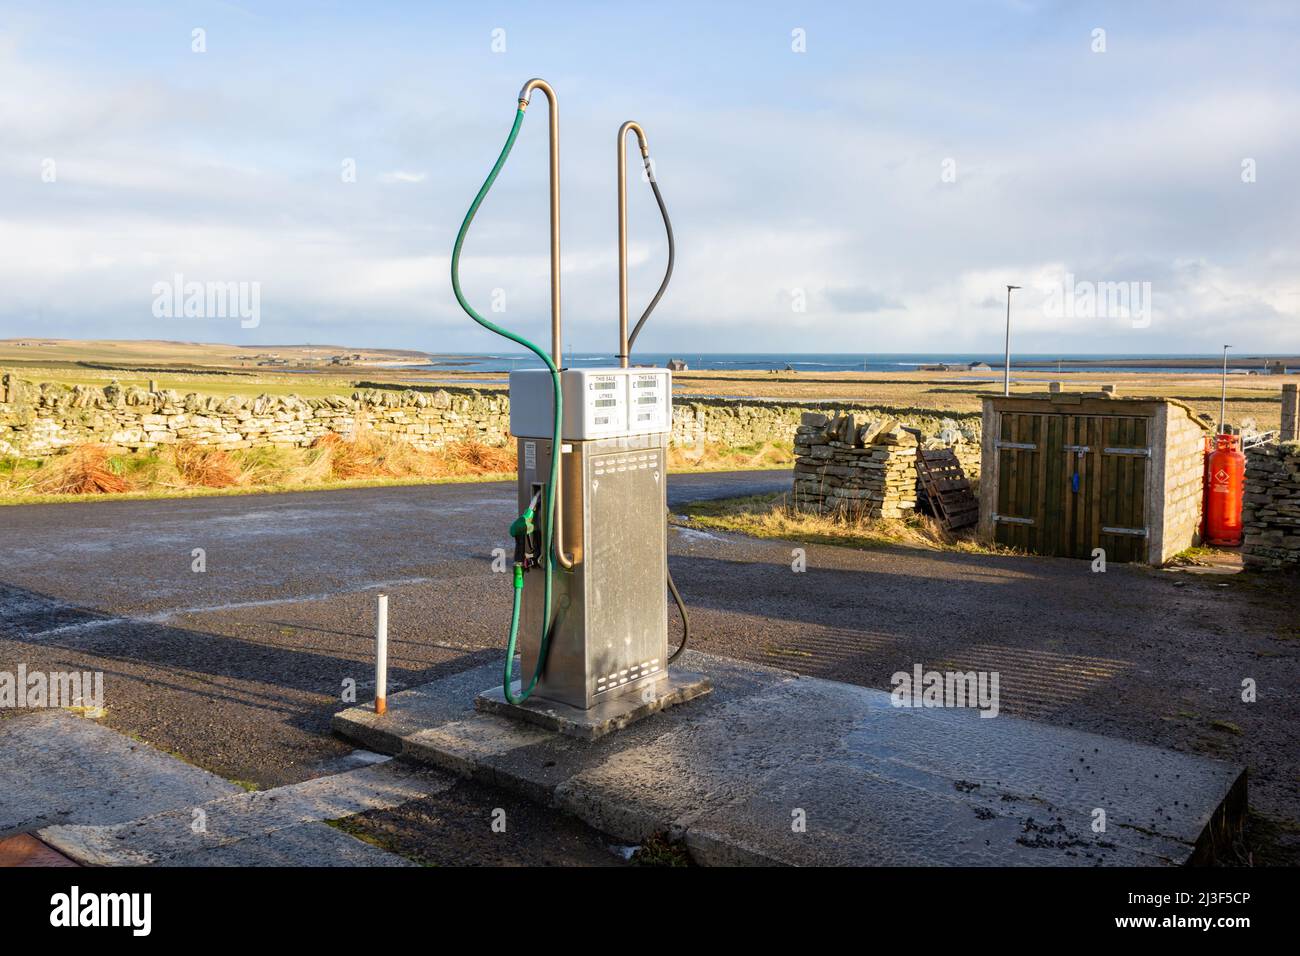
(945, 489)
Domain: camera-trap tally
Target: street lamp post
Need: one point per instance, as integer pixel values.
(1006, 375)
(1223, 396)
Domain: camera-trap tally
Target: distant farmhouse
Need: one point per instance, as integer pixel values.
(956, 367)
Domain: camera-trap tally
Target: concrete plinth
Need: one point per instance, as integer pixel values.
(677, 687)
(775, 768)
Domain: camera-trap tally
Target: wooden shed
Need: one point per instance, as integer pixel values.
(1067, 472)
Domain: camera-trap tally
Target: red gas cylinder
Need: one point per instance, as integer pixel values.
(1225, 481)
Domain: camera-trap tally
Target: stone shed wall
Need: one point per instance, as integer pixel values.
(1177, 502)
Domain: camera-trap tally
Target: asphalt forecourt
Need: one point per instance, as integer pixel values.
(219, 742)
(241, 667)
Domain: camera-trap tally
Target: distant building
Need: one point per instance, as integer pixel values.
(978, 367)
(677, 365)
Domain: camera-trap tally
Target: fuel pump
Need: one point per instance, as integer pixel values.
(589, 614)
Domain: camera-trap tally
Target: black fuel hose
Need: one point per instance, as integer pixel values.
(672, 256)
(631, 339)
(686, 621)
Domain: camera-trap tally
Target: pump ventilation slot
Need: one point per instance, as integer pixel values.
(626, 675)
(630, 463)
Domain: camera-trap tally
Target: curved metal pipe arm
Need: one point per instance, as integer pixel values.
(631, 126)
(536, 83)
(525, 96)
(625, 340)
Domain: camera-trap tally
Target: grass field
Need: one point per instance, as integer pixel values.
(231, 370)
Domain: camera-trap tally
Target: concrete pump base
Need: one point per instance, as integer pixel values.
(772, 767)
(676, 687)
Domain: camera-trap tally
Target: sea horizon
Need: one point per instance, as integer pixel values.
(866, 362)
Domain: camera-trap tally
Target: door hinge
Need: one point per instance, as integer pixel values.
(1026, 446)
(1135, 532)
(1007, 519)
(1142, 452)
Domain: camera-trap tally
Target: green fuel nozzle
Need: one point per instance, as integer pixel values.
(528, 543)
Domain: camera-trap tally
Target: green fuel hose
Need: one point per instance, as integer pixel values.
(548, 536)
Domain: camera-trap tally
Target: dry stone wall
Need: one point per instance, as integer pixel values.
(1270, 515)
(38, 419)
(843, 468)
(740, 421)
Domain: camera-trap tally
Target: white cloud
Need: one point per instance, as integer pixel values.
(832, 189)
(402, 176)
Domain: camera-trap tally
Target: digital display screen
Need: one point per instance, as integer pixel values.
(647, 400)
(606, 402)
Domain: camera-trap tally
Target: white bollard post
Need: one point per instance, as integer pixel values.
(381, 656)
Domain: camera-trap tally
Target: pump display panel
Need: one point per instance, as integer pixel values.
(598, 403)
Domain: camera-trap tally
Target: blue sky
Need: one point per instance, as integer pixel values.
(811, 179)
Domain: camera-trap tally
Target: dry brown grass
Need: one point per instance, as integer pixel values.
(347, 459)
(85, 470)
(369, 454)
(774, 516)
(200, 467)
(771, 454)
(473, 457)
(365, 455)
(362, 456)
